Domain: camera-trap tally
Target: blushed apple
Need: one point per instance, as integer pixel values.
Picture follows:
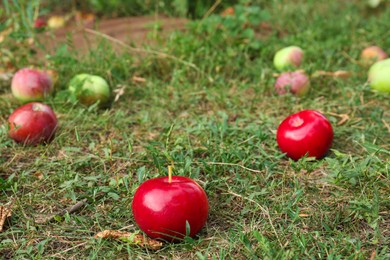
(89, 89)
(32, 124)
(297, 83)
(372, 54)
(40, 23)
(31, 85)
(288, 57)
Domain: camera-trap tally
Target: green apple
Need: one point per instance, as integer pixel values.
(377, 66)
(288, 57)
(380, 79)
(89, 89)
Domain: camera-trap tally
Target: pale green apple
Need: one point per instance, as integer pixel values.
(377, 66)
(89, 89)
(380, 80)
(288, 57)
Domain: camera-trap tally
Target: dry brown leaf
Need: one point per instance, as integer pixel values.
(228, 11)
(38, 175)
(119, 91)
(132, 238)
(5, 212)
(85, 18)
(138, 79)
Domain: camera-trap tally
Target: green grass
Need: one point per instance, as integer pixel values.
(217, 122)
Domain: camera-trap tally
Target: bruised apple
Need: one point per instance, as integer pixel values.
(89, 89)
(31, 85)
(297, 83)
(32, 124)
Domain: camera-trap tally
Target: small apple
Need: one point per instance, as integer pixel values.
(305, 133)
(32, 124)
(373, 3)
(377, 66)
(31, 85)
(89, 89)
(164, 206)
(297, 83)
(380, 80)
(372, 54)
(40, 23)
(288, 57)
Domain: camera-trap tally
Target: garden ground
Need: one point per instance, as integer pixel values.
(203, 98)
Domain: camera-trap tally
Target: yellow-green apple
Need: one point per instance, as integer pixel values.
(288, 57)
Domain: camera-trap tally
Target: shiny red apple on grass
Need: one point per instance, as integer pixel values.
(32, 124)
(31, 85)
(164, 207)
(305, 133)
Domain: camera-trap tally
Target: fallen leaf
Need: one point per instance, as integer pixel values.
(5, 212)
(83, 18)
(38, 175)
(228, 11)
(138, 79)
(132, 238)
(119, 91)
(343, 74)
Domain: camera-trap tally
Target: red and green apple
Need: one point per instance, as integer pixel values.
(33, 123)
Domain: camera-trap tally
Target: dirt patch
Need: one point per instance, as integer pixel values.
(130, 30)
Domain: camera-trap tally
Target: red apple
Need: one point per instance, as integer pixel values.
(162, 208)
(40, 23)
(305, 133)
(32, 124)
(372, 54)
(296, 83)
(31, 85)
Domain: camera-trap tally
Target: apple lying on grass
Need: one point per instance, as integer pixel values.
(40, 23)
(31, 85)
(32, 124)
(170, 208)
(89, 89)
(372, 54)
(379, 76)
(297, 83)
(306, 133)
(291, 56)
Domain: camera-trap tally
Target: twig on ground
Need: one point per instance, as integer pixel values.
(234, 164)
(69, 210)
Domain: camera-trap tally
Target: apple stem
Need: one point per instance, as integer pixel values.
(170, 173)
